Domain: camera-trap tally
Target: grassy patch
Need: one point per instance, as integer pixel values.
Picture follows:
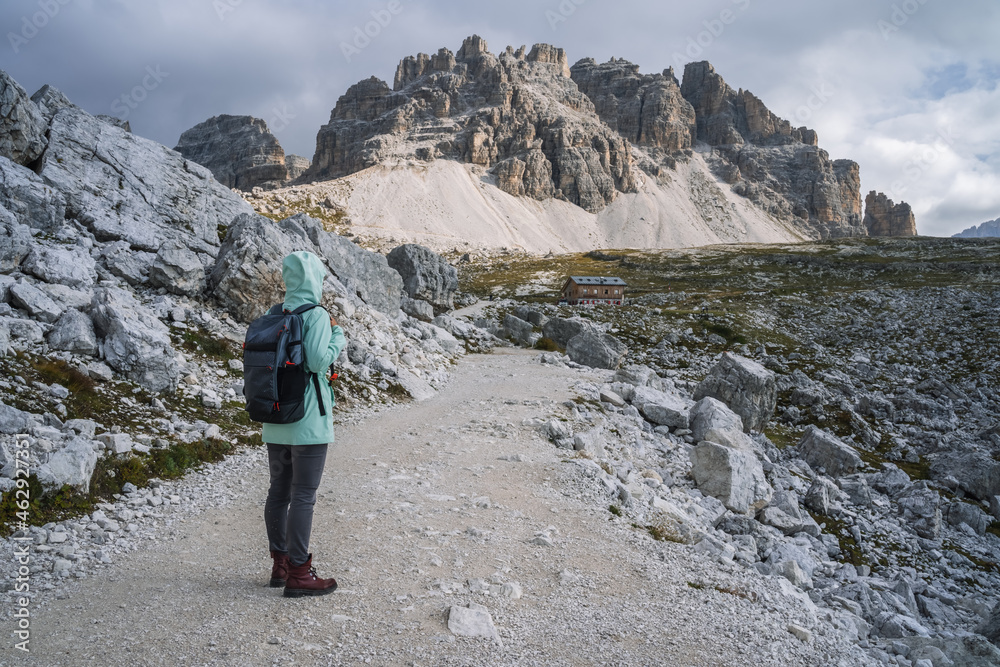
(738, 592)
(111, 475)
(547, 345)
(848, 545)
(615, 509)
(199, 342)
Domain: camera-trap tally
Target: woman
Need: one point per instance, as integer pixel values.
(296, 452)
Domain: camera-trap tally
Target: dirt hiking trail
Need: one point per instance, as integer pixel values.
(423, 507)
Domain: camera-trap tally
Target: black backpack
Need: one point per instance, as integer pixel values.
(274, 373)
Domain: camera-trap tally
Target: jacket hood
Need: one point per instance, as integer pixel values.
(303, 273)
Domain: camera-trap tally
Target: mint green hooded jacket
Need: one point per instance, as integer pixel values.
(303, 273)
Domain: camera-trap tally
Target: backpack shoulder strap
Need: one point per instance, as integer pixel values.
(305, 308)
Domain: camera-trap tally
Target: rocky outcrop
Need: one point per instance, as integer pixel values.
(73, 465)
(239, 151)
(885, 218)
(426, 275)
(246, 279)
(22, 127)
(732, 475)
(745, 386)
(178, 270)
(74, 332)
(296, 165)
(985, 230)
(123, 187)
(778, 167)
(727, 116)
(135, 342)
(518, 115)
(597, 350)
(648, 110)
(29, 198)
(828, 453)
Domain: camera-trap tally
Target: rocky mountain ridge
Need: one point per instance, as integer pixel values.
(520, 117)
(986, 230)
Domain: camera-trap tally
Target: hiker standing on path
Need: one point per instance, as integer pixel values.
(296, 452)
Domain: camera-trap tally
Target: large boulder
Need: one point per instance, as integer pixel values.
(732, 475)
(711, 419)
(417, 309)
(784, 513)
(74, 332)
(15, 241)
(959, 512)
(597, 350)
(366, 275)
(135, 342)
(32, 201)
(426, 275)
(246, 279)
(824, 450)
(920, 508)
(62, 265)
(22, 128)
(72, 464)
(745, 386)
(661, 408)
(520, 330)
(130, 265)
(978, 474)
(13, 421)
(561, 330)
(991, 627)
(36, 302)
(178, 270)
(124, 187)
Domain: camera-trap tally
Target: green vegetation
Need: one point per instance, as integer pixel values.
(547, 345)
(199, 341)
(111, 475)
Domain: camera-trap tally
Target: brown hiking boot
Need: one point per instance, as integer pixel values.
(302, 581)
(279, 571)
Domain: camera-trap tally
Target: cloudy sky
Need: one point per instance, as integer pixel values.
(907, 88)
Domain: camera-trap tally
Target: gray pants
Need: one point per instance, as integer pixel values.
(296, 471)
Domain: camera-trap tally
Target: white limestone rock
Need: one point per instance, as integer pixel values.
(823, 450)
(74, 332)
(135, 342)
(178, 270)
(749, 389)
(72, 464)
(22, 127)
(35, 301)
(64, 265)
(124, 187)
(31, 200)
(472, 621)
(734, 476)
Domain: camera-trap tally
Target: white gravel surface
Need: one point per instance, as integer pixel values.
(423, 507)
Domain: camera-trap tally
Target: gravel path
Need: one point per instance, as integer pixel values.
(423, 507)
